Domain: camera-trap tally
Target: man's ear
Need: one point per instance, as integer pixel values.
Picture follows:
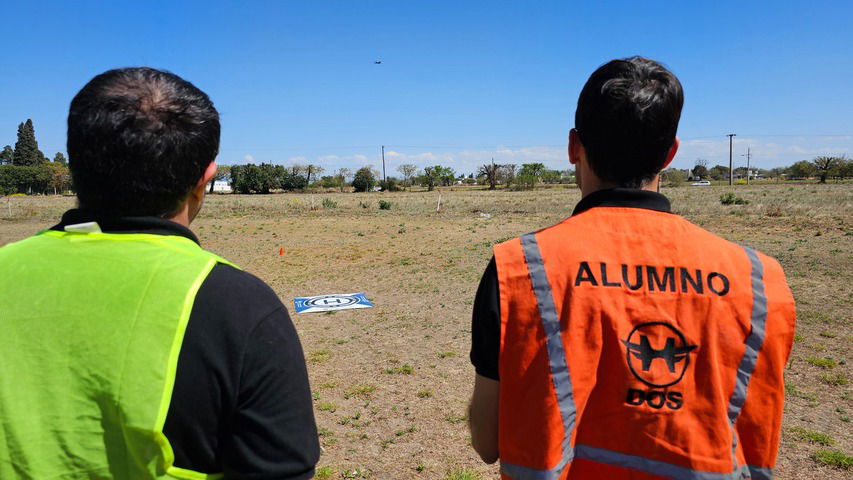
(576, 148)
(209, 172)
(671, 154)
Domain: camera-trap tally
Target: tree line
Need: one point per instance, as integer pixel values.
(25, 169)
(821, 168)
(266, 177)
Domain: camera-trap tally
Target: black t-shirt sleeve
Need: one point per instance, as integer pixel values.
(241, 402)
(486, 324)
(273, 434)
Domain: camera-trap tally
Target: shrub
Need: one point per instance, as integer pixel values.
(384, 205)
(729, 198)
(329, 203)
(389, 185)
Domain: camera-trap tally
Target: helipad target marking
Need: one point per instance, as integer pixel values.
(336, 301)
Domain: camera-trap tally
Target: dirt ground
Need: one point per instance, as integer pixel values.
(391, 383)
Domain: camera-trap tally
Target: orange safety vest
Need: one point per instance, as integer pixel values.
(636, 345)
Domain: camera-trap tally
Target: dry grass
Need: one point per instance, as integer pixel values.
(391, 383)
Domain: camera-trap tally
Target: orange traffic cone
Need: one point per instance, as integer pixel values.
(281, 252)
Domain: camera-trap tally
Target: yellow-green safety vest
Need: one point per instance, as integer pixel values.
(92, 325)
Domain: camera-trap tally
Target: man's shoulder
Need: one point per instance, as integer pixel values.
(229, 284)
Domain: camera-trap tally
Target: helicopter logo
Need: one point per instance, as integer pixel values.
(673, 350)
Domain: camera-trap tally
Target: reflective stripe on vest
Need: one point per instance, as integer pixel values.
(753, 344)
(556, 359)
(561, 379)
(93, 325)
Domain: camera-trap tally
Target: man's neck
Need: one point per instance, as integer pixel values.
(592, 184)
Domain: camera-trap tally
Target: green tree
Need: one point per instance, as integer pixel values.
(292, 179)
(447, 175)
(29, 179)
(843, 168)
(801, 169)
(222, 172)
(700, 169)
(550, 176)
(532, 170)
(27, 151)
(524, 181)
(430, 176)
(719, 172)
(253, 178)
(823, 165)
(60, 176)
(364, 180)
(59, 158)
(236, 178)
(673, 176)
(7, 156)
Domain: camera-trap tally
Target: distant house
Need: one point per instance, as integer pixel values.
(221, 186)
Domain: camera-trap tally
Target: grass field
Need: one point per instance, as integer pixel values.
(391, 383)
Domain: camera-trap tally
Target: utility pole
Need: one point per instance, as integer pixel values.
(383, 164)
(748, 155)
(731, 170)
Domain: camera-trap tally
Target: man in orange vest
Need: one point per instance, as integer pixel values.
(626, 342)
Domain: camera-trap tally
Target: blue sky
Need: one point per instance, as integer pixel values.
(460, 82)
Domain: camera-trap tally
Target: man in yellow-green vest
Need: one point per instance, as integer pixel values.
(127, 350)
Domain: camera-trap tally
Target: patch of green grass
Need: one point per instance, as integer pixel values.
(425, 393)
(462, 474)
(828, 335)
(355, 473)
(454, 419)
(834, 458)
(821, 362)
(324, 472)
(420, 467)
(362, 391)
(405, 369)
(812, 436)
(791, 389)
(327, 407)
(835, 379)
(319, 356)
(446, 354)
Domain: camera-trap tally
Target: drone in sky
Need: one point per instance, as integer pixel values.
(377, 62)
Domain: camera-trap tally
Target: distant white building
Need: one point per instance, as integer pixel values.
(221, 186)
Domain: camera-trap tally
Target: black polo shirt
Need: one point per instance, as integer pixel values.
(241, 402)
(486, 318)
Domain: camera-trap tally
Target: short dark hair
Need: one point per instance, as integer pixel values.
(139, 139)
(626, 118)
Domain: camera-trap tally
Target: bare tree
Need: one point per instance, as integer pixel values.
(408, 171)
(342, 176)
(507, 173)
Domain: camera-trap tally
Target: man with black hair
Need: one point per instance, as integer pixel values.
(128, 351)
(626, 342)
